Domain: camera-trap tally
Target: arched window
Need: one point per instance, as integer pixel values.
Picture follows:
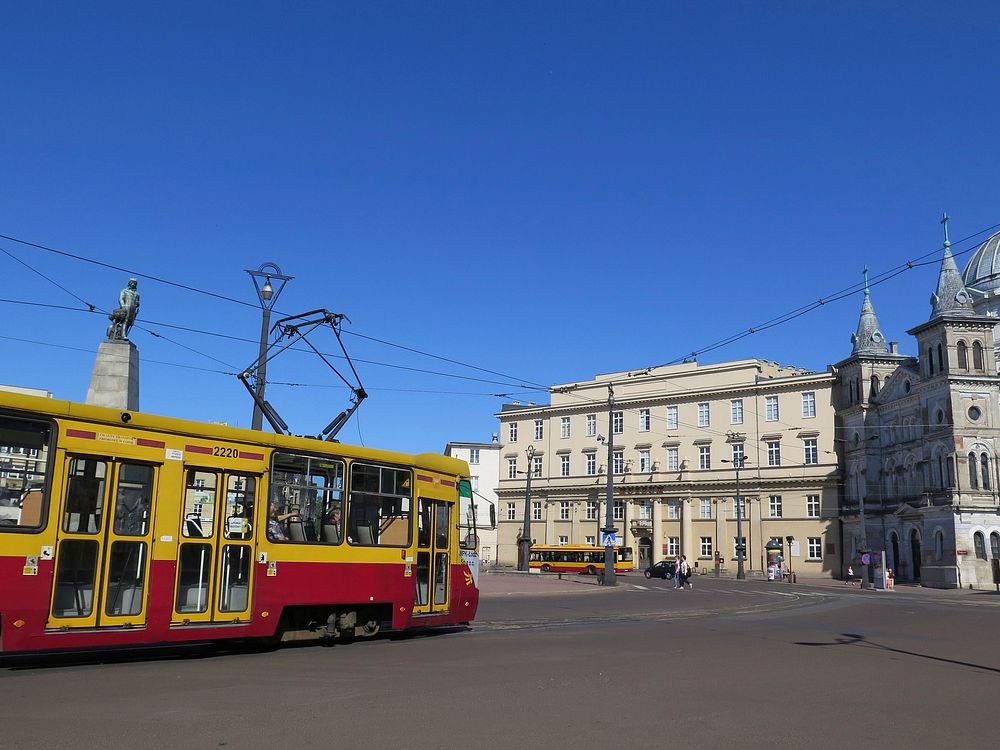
(875, 386)
(949, 464)
(857, 388)
(984, 462)
(938, 545)
(930, 360)
(941, 363)
(850, 392)
(963, 356)
(979, 542)
(995, 545)
(977, 355)
(973, 471)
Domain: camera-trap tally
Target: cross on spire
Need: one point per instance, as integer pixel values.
(866, 280)
(944, 222)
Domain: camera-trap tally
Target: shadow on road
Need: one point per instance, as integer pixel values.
(856, 639)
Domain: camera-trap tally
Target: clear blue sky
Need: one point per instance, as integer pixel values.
(547, 190)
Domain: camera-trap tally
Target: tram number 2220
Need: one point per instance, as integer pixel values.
(223, 452)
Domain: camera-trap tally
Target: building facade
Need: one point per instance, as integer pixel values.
(484, 471)
(917, 436)
(676, 434)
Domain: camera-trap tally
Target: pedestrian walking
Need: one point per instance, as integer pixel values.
(686, 574)
(677, 572)
(850, 576)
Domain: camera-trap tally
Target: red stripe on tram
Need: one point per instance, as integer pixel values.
(447, 482)
(252, 456)
(425, 478)
(150, 443)
(197, 449)
(81, 434)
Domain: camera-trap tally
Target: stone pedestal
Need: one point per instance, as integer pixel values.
(115, 381)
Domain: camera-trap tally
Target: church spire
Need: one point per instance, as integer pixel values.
(869, 338)
(951, 297)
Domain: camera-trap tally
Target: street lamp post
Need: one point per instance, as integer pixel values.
(267, 296)
(738, 462)
(609, 519)
(524, 543)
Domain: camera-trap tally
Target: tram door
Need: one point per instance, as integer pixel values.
(215, 555)
(434, 528)
(103, 543)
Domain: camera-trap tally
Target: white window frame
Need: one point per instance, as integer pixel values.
(512, 468)
(812, 506)
(539, 429)
(673, 459)
(473, 456)
(617, 422)
(739, 453)
(618, 510)
(771, 411)
(564, 510)
(644, 462)
(591, 425)
(736, 411)
(591, 464)
(512, 432)
(672, 418)
(511, 511)
(564, 427)
(618, 457)
(809, 405)
(593, 509)
(705, 456)
(704, 414)
(774, 453)
(537, 470)
(673, 510)
(643, 420)
(775, 506)
(706, 546)
(704, 507)
(564, 465)
(563, 540)
(673, 546)
(536, 510)
(811, 448)
(815, 547)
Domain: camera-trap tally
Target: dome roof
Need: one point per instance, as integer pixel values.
(983, 271)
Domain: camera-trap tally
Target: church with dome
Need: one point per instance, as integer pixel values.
(917, 437)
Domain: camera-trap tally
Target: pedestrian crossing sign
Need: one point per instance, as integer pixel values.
(608, 540)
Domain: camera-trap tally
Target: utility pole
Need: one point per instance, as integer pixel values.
(267, 295)
(738, 462)
(609, 519)
(524, 542)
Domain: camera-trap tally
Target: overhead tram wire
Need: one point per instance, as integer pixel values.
(779, 320)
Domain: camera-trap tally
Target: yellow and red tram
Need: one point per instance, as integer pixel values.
(569, 558)
(123, 528)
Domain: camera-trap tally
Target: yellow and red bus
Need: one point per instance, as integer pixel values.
(120, 528)
(569, 558)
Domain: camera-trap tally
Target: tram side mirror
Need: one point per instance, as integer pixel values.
(126, 417)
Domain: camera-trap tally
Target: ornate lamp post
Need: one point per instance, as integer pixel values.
(268, 296)
(609, 518)
(524, 541)
(738, 461)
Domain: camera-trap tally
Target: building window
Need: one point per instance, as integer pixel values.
(979, 542)
(645, 510)
(619, 462)
(771, 408)
(591, 425)
(812, 451)
(938, 545)
(736, 411)
(705, 507)
(740, 507)
(644, 461)
(591, 540)
(617, 422)
(673, 459)
(672, 421)
(674, 509)
(512, 468)
(739, 453)
(706, 546)
(475, 482)
(539, 429)
(977, 355)
(815, 545)
(591, 464)
(591, 510)
(812, 506)
(775, 506)
(512, 431)
(619, 510)
(773, 453)
(564, 466)
(963, 356)
(474, 456)
(740, 547)
(564, 427)
(673, 546)
(536, 510)
(564, 510)
(511, 512)
(703, 419)
(995, 545)
(705, 456)
(643, 420)
(973, 471)
(537, 471)
(984, 462)
(563, 540)
(808, 405)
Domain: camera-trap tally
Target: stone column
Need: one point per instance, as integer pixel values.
(688, 542)
(657, 553)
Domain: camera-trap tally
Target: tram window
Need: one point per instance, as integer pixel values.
(126, 574)
(135, 495)
(192, 577)
(24, 460)
(199, 504)
(74, 595)
(380, 507)
(240, 491)
(234, 593)
(306, 499)
(84, 496)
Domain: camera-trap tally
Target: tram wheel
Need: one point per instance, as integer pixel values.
(591, 570)
(369, 629)
(546, 569)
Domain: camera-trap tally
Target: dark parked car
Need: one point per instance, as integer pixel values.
(663, 569)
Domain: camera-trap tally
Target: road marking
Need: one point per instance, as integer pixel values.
(641, 588)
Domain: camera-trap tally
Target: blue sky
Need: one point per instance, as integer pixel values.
(543, 190)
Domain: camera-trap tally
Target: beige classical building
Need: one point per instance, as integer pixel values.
(675, 434)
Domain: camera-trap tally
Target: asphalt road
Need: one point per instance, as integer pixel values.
(561, 664)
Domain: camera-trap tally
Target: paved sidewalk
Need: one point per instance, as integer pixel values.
(506, 582)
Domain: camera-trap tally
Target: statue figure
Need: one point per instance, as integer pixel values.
(124, 315)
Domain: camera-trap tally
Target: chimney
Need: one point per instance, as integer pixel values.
(893, 347)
